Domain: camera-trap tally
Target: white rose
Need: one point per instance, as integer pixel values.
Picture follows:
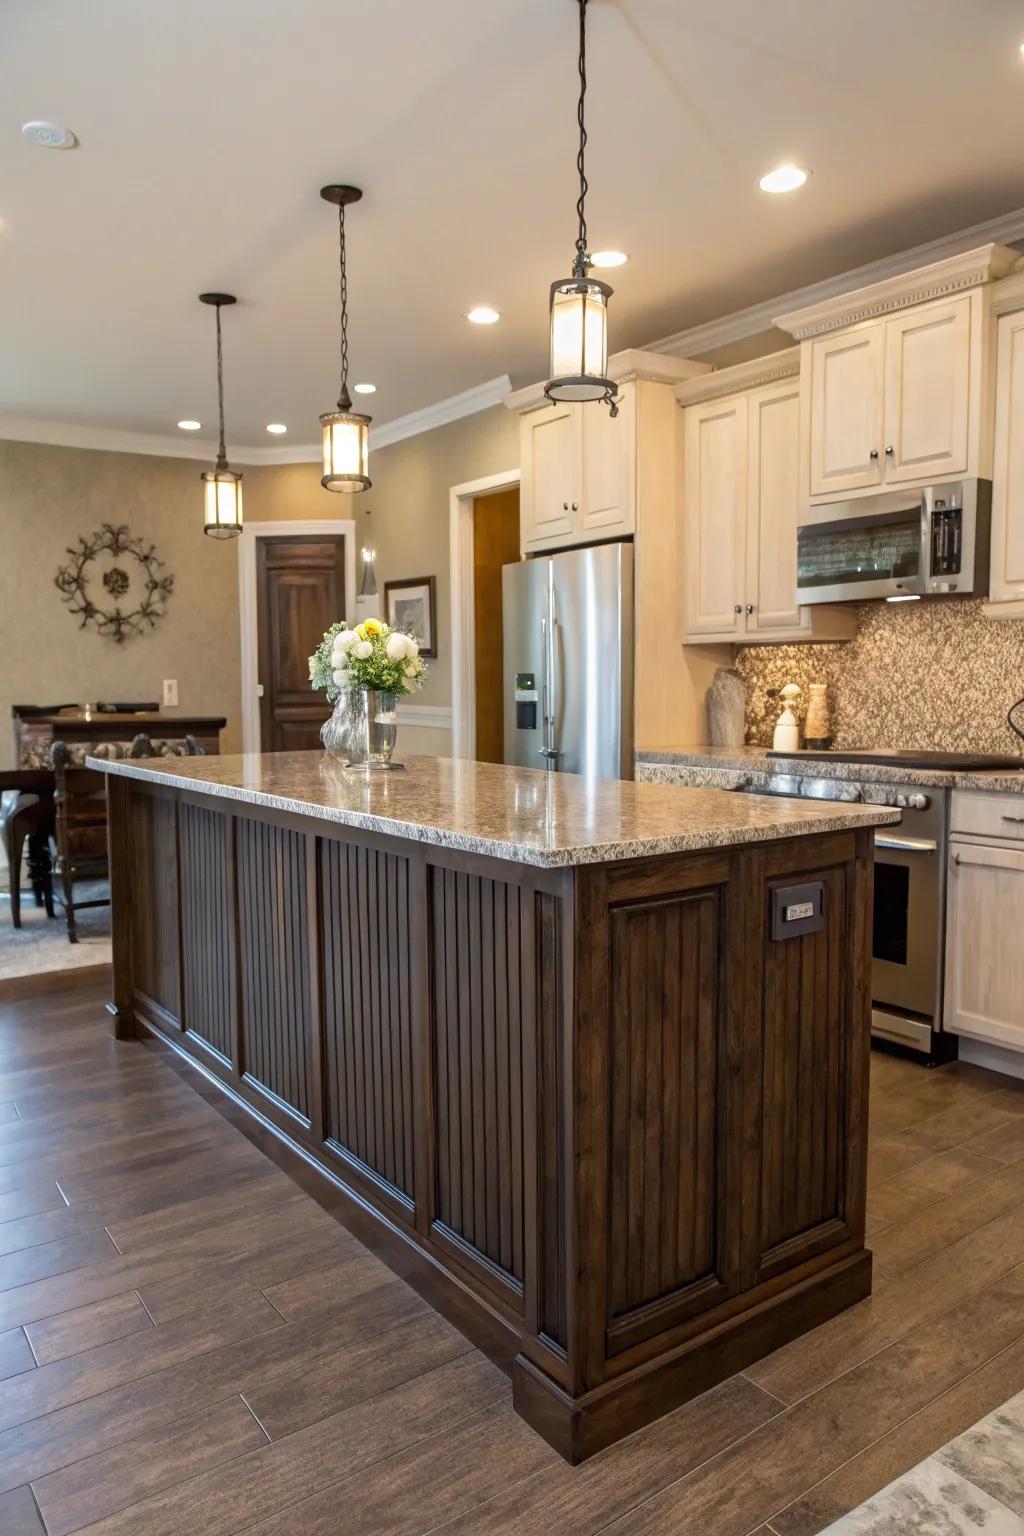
(339, 677)
(397, 646)
(411, 646)
(362, 649)
(344, 641)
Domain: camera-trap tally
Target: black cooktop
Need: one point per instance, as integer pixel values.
(963, 762)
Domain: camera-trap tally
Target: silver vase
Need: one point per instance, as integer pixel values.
(362, 729)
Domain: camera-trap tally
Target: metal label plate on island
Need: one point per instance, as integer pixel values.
(798, 909)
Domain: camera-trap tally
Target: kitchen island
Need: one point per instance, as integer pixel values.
(597, 1050)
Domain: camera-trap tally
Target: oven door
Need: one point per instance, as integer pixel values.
(907, 927)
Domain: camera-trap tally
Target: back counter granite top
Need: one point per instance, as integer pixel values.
(521, 814)
(701, 766)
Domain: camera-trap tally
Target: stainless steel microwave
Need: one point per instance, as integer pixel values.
(897, 545)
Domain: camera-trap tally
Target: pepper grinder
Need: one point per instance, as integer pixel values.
(787, 730)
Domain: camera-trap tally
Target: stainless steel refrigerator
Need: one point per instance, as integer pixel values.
(568, 661)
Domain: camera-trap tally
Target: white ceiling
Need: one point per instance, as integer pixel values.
(208, 126)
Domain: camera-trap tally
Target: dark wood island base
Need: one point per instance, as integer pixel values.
(620, 1102)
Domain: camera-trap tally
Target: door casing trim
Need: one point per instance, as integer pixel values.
(460, 548)
(285, 528)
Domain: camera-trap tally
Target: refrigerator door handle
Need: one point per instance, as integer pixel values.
(547, 748)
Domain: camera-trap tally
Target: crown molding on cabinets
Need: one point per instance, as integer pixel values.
(743, 376)
(757, 318)
(636, 363)
(956, 274)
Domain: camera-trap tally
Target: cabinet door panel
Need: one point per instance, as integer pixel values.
(772, 498)
(846, 410)
(984, 956)
(551, 474)
(927, 390)
(714, 515)
(608, 502)
(1008, 476)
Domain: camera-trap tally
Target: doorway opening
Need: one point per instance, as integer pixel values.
(495, 543)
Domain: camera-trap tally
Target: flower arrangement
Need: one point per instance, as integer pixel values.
(370, 656)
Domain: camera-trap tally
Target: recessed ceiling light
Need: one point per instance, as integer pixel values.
(190, 426)
(277, 427)
(784, 178)
(609, 259)
(483, 314)
(365, 389)
(48, 135)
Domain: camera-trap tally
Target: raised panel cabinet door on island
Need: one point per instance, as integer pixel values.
(927, 390)
(551, 489)
(1007, 577)
(714, 523)
(846, 427)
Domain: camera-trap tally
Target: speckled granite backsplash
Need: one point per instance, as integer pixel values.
(928, 674)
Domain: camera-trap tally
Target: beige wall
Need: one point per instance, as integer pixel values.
(48, 498)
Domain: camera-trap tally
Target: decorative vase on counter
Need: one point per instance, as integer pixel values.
(726, 701)
(362, 729)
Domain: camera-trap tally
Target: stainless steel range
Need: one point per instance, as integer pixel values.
(910, 881)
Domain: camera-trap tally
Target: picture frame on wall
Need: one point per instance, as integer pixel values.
(412, 605)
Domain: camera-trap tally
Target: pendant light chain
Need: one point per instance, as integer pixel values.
(344, 398)
(222, 458)
(581, 239)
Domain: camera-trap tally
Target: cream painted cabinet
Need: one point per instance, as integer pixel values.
(741, 493)
(846, 411)
(927, 391)
(1007, 577)
(550, 485)
(578, 473)
(984, 995)
(714, 519)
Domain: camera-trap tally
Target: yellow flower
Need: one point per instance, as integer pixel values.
(361, 631)
(372, 627)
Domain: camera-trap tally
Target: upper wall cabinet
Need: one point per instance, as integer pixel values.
(897, 379)
(581, 466)
(741, 485)
(1006, 588)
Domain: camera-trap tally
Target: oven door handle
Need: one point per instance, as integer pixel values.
(906, 844)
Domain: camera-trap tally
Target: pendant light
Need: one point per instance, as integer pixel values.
(368, 580)
(345, 433)
(579, 304)
(223, 519)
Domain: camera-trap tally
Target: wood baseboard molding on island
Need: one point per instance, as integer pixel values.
(598, 1051)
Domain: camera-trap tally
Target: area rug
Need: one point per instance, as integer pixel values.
(41, 943)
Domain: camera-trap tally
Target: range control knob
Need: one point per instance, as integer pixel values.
(917, 802)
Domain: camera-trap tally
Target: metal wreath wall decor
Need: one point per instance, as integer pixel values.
(141, 585)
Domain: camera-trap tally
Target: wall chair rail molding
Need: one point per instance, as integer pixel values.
(247, 605)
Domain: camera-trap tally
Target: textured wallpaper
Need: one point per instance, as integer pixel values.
(929, 674)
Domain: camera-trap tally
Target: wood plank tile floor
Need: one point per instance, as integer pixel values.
(193, 1342)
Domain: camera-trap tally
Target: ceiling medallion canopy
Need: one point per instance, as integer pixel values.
(579, 304)
(223, 509)
(345, 433)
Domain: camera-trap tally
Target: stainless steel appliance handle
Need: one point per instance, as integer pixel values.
(906, 844)
(547, 749)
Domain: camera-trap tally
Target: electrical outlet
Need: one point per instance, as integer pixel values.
(170, 698)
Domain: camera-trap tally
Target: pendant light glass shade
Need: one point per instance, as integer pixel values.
(345, 433)
(368, 580)
(579, 304)
(346, 451)
(222, 487)
(579, 339)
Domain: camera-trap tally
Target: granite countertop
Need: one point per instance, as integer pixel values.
(520, 814)
(725, 767)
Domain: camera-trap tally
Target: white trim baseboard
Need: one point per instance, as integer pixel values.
(460, 554)
(28, 429)
(247, 602)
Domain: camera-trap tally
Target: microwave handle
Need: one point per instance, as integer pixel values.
(926, 544)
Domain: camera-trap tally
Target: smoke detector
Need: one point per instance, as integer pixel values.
(49, 135)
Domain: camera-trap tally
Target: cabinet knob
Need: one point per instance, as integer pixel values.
(874, 453)
(890, 452)
(738, 608)
(565, 506)
(750, 607)
(575, 506)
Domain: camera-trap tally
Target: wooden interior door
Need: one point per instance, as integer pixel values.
(495, 543)
(300, 586)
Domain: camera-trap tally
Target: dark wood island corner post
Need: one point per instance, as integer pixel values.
(120, 1008)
